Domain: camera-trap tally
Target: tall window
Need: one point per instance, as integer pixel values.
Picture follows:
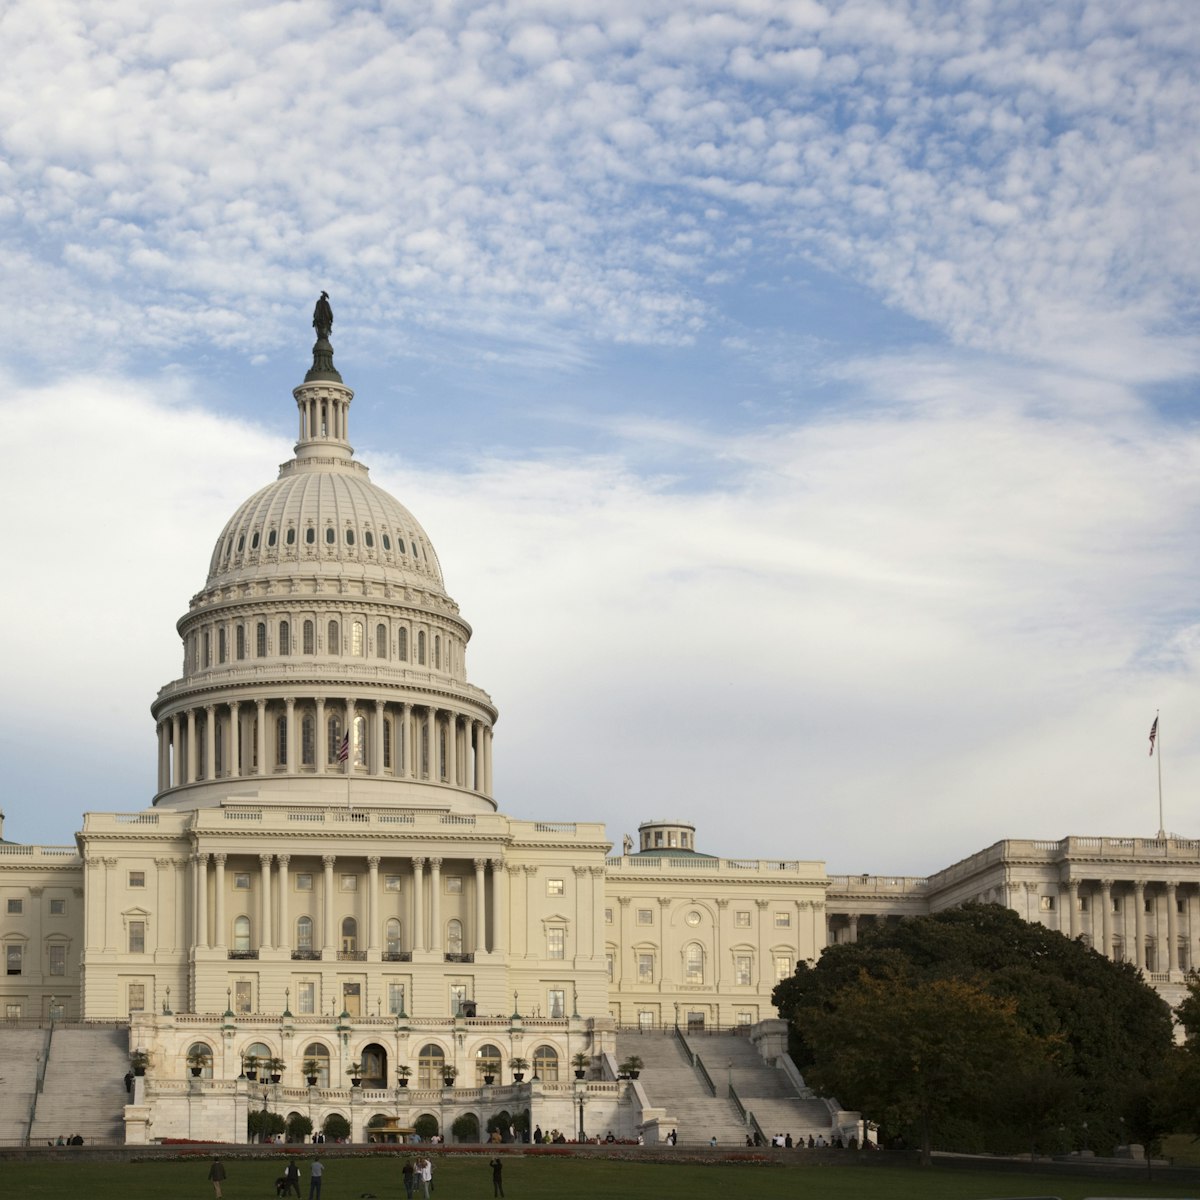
(454, 936)
(14, 958)
(387, 743)
(381, 640)
(437, 651)
(304, 935)
(334, 744)
(241, 933)
(333, 639)
(743, 967)
(645, 968)
(260, 640)
(306, 995)
(221, 649)
(137, 997)
(556, 1003)
(240, 636)
(395, 997)
(207, 649)
(202, 1052)
(783, 966)
(58, 958)
(349, 935)
(316, 1055)
(545, 1063)
(556, 942)
(137, 937)
(421, 647)
(391, 936)
(402, 645)
(430, 1063)
(356, 639)
(487, 1062)
(281, 741)
(310, 638)
(308, 740)
(360, 741)
(285, 638)
(693, 963)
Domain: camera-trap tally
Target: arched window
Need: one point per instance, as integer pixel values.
(240, 636)
(545, 1063)
(454, 936)
(356, 639)
(693, 963)
(334, 744)
(316, 1062)
(241, 933)
(308, 740)
(285, 638)
(381, 641)
(349, 537)
(487, 1062)
(359, 749)
(260, 640)
(333, 640)
(421, 647)
(310, 536)
(200, 1055)
(387, 743)
(310, 638)
(304, 935)
(437, 651)
(349, 935)
(391, 936)
(281, 741)
(430, 1063)
(402, 644)
(330, 535)
(443, 732)
(258, 1054)
(222, 651)
(291, 537)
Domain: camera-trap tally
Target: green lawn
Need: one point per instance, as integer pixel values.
(531, 1178)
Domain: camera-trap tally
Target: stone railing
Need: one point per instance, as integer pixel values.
(12, 850)
(647, 864)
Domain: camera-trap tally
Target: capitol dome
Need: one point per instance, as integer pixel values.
(324, 644)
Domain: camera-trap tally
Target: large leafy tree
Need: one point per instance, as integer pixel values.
(1095, 1022)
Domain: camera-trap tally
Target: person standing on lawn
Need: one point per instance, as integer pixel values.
(216, 1176)
(497, 1177)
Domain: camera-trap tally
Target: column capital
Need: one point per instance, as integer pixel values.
(283, 859)
(623, 901)
(1072, 885)
(762, 903)
(220, 859)
(580, 870)
(373, 861)
(328, 859)
(435, 863)
(1106, 885)
(597, 870)
(480, 863)
(379, 705)
(1139, 886)
(497, 864)
(723, 902)
(210, 708)
(265, 859)
(418, 862)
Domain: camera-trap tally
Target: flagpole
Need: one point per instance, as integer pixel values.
(1162, 830)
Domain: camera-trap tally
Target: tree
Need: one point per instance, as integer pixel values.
(915, 1052)
(299, 1127)
(264, 1124)
(466, 1127)
(1105, 1025)
(425, 1126)
(336, 1128)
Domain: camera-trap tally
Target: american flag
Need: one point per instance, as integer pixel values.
(344, 749)
(1153, 734)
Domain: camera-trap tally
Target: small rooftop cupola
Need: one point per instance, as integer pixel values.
(323, 399)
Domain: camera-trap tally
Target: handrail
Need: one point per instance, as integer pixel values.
(737, 1100)
(43, 1058)
(698, 1063)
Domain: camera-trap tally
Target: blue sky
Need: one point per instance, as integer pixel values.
(800, 395)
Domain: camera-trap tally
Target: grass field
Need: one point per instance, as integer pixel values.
(459, 1177)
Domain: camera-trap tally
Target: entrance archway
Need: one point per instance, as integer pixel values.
(374, 1066)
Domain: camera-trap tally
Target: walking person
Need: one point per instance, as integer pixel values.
(315, 1174)
(425, 1174)
(497, 1177)
(216, 1175)
(409, 1178)
(291, 1178)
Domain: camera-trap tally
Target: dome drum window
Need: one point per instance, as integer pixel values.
(349, 537)
(254, 541)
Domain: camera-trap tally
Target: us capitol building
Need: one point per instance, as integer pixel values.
(324, 876)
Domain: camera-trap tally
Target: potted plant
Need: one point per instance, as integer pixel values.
(519, 1067)
(631, 1067)
(489, 1079)
(312, 1068)
(449, 1074)
(581, 1062)
(198, 1059)
(402, 1073)
(139, 1060)
(276, 1067)
(354, 1070)
(250, 1066)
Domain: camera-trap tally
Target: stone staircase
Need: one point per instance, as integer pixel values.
(21, 1051)
(671, 1082)
(84, 1089)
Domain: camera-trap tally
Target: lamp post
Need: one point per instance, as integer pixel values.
(262, 1133)
(582, 1133)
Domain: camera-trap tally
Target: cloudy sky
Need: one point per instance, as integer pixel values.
(801, 395)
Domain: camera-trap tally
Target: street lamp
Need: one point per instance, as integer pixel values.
(582, 1134)
(262, 1136)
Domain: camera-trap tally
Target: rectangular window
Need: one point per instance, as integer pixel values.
(15, 907)
(12, 1012)
(645, 1018)
(1046, 903)
(137, 937)
(1149, 904)
(609, 963)
(556, 1002)
(304, 882)
(458, 997)
(306, 996)
(453, 885)
(1179, 904)
(1081, 903)
(1116, 904)
(645, 968)
(241, 881)
(741, 919)
(137, 879)
(745, 1018)
(554, 887)
(241, 996)
(391, 883)
(57, 1010)
(743, 966)
(137, 997)
(783, 920)
(58, 959)
(783, 966)
(608, 916)
(14, 954)
(395, 998)
(349, 883)
(556, 943)
(58, 908)
(645, 916)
